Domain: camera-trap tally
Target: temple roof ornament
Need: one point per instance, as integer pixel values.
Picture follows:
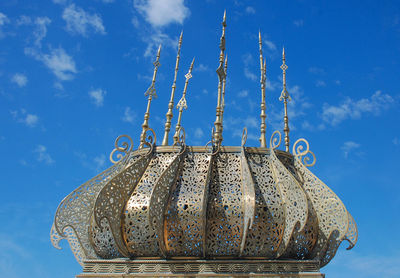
(235, 205)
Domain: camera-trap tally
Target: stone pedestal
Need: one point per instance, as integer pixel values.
(200, 268)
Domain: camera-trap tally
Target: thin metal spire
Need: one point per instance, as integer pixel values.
(285, 97)
(151, 92)
(182, 103)
(223, 92)
(221, 75)
(263, 141)
(169, 114)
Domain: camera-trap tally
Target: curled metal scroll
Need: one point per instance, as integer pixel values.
(304, 153)
(181, 140)
(215, 147)
(122, 147)
(274, 142)
(149, 140)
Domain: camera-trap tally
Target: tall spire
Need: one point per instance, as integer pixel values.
(169, 114)
(223, 92)
(285, 97)
(263, 141)
(151, 92)
(182, 103)
(221, 75)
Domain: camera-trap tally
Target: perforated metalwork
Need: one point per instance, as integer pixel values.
(294, 198)
(75, 210)
(139, 237)
(103, 239)
(114, 195)
(269, 222)
(184, 223)
(225, 207)
(159, 199)
(331, 213)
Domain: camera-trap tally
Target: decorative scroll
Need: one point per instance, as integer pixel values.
(225, 207)
(293, 196)
(149, 140)
(159, 199)
(248, 192)
(55, 237)
(184, 223)
(304, 155)
(75, 211)
(124, 149)
(103, 239)
(269, 222)
(138, 234)
(114, 195)
(352, 233)
(332, 214)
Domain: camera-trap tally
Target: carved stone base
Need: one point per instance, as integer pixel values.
(200, 268)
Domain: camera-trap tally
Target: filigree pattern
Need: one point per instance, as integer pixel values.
(139, 237)
(249, 199)
(184, 223)
(331, 213)
(294, 198)
(75, 210)
(225, 207)
(159, 199)
(103, 239)
(269, 222)
(114, 195)
(352, 232)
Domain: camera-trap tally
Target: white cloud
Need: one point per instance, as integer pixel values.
(80, 22)
(271, 46)
(41, 29)
(24, 117)
(20, 79)
(129, 115)
(24, 20)
(162, 12)
(156, 39)
(316, 70)
(396, 141)
(99, 162)
(243, 93)
(97, 96)
(58, 61)
(348, 147)
(298, 23)
(250, 10)
(354, 109)
(248, 61)
(198, 133)
(3, 21)
(202, 67)
(43, 155)
(320, 83)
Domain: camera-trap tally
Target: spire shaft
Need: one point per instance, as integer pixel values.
(285, 97)
(169, 114)
(263, 141)
(151, 92)
(223, 92)
(221, 75)
(182, 103)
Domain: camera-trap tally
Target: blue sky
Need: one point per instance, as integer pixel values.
(73, 74)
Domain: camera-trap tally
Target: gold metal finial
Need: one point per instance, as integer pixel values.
(151, 92)
(285, 97)
(263, 141)
(169, 114)
(221, 76)
(182, 103)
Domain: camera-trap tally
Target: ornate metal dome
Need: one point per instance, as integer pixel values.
(213, 202)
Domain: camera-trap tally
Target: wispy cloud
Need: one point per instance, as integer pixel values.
(202, 68)
(20, 79)
(21, 116)
(396, 141)
(316, 70)
(3, 21)
(97, 96)
(250, 10)
(40, 30)
(270, 45)
(129, 115)
(348, 147)
(160, 13)
(198, 133)
(298, 23)
(354, 109)
(243, 93)
(43, 155)
(96, 164)
(248, 61)
(320, 83)
(81, 22)
(58, 61)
